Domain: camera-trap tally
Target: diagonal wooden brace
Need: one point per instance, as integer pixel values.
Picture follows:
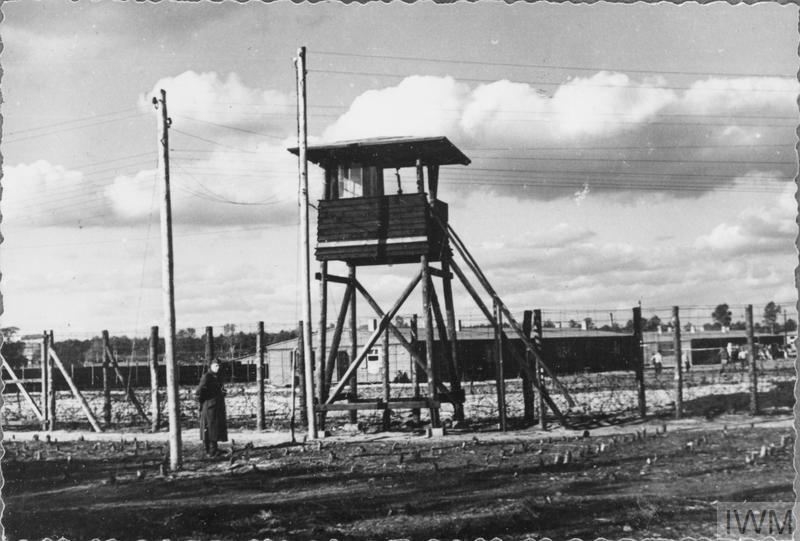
(23, 390)
(522, 362)
(385, 321)
(419, 361)
(129, 392)
(75, 392)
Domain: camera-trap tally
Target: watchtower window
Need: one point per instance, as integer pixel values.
(356, 180)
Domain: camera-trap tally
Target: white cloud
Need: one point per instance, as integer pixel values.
(41, 193)
(211, 99)
(755, 230)
(417, 106)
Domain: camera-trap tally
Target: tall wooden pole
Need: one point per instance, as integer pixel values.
(304, 228)
(527, 385)
(676, 346)
(155, 412)
(638, 361)
(45, 377)
(106, 380)
(353, 395)
(51, 384)
(751, 353)
(498, 365)
(168, 289)
(260, 347)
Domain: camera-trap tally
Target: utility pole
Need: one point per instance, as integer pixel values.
(168, 288)
(302, 144)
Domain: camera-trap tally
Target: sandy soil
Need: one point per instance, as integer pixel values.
(622, 480)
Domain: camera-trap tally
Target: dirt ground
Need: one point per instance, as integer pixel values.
(631, 480)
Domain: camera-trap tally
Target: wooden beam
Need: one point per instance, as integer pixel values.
(519, 358)
(129, 392)
(385, 320)
(75, 392)
(23, 390)
(336, 340)
(418, 361)
(429, 356)
(333, 278)
(439, 273)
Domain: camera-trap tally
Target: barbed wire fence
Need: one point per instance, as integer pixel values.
(598, 392)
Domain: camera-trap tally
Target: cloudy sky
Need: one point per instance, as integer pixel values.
(620, 153)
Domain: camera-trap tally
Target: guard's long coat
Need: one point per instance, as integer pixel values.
(212, 408)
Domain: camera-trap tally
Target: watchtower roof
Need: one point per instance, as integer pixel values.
(387, 152)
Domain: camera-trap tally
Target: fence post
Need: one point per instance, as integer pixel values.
(415, 413)
(537, 341)
(153, 358)
(106, 382)
(45, 377)
(260, 376)
(51, 385)
(638, 362)
(300, 366)
(527, 384)
(498, 366)
(676, 346)
(748, 318)
(209, 353)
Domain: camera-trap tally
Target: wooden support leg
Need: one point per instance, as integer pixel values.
(353, 345)
(387, 414)
(323, 336)
(455, 369)
(429, 353)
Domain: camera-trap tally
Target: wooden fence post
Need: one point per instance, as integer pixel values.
(638, 362)
(106, 381)
(45, 378)
(387, 413)
(260, 346)
(498, 365)
(527, 384)
(676, 346)
(209, 343)
(415, 412)
(155, 412)
(353, 395)
(301, 373)
(751, 352)
(539, 372)
(51, 386)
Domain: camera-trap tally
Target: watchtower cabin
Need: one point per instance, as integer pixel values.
(365, 217)
(369, 216)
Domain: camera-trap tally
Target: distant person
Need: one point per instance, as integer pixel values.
(213, 424)
(687, 364)
(658, 361)
(724, 357)
(743, 358)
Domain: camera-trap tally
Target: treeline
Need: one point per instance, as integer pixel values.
(189, 345)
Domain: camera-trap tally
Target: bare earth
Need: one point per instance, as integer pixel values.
(398, 485)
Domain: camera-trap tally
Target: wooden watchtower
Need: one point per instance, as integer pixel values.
(367, 216)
